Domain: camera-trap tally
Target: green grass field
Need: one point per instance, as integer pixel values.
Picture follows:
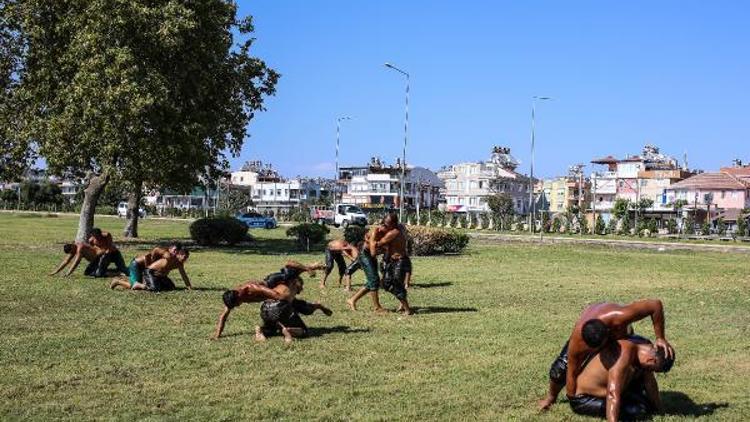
(489, 323)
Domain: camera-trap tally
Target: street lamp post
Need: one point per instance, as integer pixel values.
(531, 178)
(406, 137)
(338, 140)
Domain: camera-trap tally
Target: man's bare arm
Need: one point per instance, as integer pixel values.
(575, 359)
(76, 261)
(617, 379)
(220, 325)
(302, 267)
(388, 238)
(62, 265)
(641, 309)
(184, 276)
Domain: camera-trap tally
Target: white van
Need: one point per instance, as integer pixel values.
(122, 210)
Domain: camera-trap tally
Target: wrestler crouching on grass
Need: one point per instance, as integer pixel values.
(140, 263)
(103, 241)
(281, 314)
(156, 276)
(618, 382)
(75, 252)
(599, 324)
(258, 291)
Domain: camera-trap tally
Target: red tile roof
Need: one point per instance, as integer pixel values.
(737, 171)
(711, 181)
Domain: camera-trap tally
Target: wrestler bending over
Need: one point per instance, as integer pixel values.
(336, 250)
(619, 381)
(75, 252)
(281, 314)
(141, 262)
(103, 241)
(598, 324)
(156, 276)
(258, 291)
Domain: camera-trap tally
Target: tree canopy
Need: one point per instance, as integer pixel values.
(151, 92)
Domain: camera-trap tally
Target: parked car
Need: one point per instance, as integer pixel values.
(255, 220)
(122, 210)
(339, 215)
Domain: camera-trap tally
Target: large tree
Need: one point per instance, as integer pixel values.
(15, 151)
(151, 92)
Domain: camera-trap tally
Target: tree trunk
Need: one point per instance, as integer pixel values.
(94, 188)
(134, 201)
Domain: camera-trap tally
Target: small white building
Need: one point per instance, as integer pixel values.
(269, 191)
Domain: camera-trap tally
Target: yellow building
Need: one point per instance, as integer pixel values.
(562, 193)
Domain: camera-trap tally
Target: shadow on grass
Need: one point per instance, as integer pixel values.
(342, 329)
(203, 289)
(679, 404)
(441, 310)
(431, 285)
(312, 332)
(269, 247)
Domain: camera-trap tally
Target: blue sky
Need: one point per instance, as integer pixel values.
(676, 74)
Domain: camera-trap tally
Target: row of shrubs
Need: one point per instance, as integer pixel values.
(421, 240)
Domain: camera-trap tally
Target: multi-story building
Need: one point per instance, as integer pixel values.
(565, 193)
(270, 191)
(467, 185)
(712, 195)
(378, 185)
(633, 178)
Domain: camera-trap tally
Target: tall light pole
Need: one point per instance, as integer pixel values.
(406, 137)
(338, 140)
(531, 178)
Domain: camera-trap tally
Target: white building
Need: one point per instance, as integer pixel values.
(378, 185)
(467, 185)
(270, 191)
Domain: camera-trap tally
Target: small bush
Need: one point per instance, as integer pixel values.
(213, 231)
(436, 241)
(355, 234)
(308, 233)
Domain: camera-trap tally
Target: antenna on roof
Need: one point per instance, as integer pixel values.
(685, 161)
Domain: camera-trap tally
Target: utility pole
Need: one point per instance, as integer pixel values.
(580, 201)
(406, 137)
(593, 201)
(637, 203)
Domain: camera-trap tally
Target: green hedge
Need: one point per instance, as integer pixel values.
(436, 241)
(308, 234)
(213, 231)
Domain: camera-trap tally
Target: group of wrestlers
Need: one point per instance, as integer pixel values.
(280, 308)
(606, 369)
(145, 272)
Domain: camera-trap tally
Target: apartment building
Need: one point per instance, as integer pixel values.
(378, 184)
(565, 193)
(468, 184)
(635, 177)
(270, 191)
